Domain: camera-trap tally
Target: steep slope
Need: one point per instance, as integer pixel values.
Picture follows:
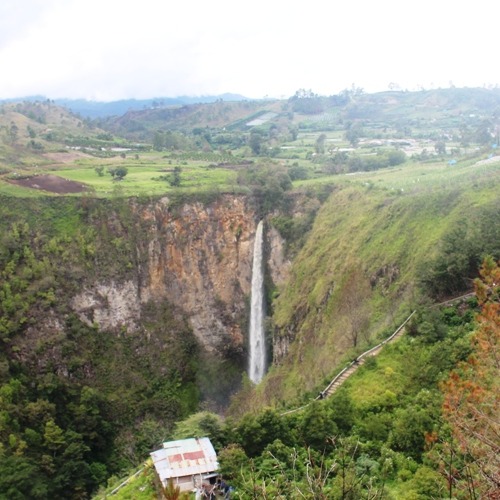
(360, 272)
(116, 318)
(195, 256)
(121, 256)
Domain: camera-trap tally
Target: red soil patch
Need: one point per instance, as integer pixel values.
(50, 183)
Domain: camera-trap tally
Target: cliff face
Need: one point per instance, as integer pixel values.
(200, 261)
(197, 257)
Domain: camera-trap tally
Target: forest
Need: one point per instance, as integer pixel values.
(376, 205)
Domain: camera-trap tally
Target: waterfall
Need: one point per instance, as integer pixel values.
(257, 362)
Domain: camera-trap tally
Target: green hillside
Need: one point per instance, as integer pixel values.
(449, 115)
(397, 429)
(367, 262)
(386, 204)
(313, 137)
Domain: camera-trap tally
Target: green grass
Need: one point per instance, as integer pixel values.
(139, 487)
(200, 173)
(416, 176)
(372, 221)
(8, 189)
(143, 178)
(368, 386)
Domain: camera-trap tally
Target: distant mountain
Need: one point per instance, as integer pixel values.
(96, 109)
(141, 124)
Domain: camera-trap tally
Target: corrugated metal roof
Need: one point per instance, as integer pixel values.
(185, 457)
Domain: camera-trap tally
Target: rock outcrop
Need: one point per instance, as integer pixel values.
(198, 257)
(200, 260)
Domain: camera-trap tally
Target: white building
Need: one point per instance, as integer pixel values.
(188, 462)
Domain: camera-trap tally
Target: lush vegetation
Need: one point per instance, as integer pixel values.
(395, 430)
(79, 403)
(386, 202)
(376, 247)
(313, 137)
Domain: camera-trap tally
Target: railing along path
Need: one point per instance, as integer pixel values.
(341, 377)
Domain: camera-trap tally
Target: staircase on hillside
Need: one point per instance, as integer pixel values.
(339, 379)
(360, 361)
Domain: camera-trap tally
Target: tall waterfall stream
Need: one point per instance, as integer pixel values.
(257, 361)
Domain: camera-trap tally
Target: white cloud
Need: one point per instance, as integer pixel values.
(115, 49)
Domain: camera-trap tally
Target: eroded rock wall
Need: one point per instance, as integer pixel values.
(199, 258)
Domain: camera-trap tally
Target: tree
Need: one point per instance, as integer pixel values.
(158, 140)
(268, 184)
(426, 483)
(355, 293)
(255, 142)
(483, 133)
(409, 429)
(294, 132)
(99, 170)
(199, 425)
(452, 270)
(472, 393)
(319, 146)
(20, 478)
(118, 173)
(13, 132)
(31, 132)
(342, 411)
(317, 425)
(440, 147)
(232, 459)
(353, 133)
(396, 157)
(175, 178)
(347, 482)
(306, 101)
(297, 172)
(53, 436)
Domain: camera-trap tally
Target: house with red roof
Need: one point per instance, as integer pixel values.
(188, 462)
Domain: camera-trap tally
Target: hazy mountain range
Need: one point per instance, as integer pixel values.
(97, 109)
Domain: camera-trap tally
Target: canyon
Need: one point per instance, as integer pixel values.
(198, 258)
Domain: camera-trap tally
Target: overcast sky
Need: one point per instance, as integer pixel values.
(115, 49)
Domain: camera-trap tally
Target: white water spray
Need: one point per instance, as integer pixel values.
(257, 363)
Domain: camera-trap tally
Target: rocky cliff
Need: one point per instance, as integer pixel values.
(196, 256)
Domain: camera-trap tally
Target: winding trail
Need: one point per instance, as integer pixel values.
(339, 379)
(351, 368)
